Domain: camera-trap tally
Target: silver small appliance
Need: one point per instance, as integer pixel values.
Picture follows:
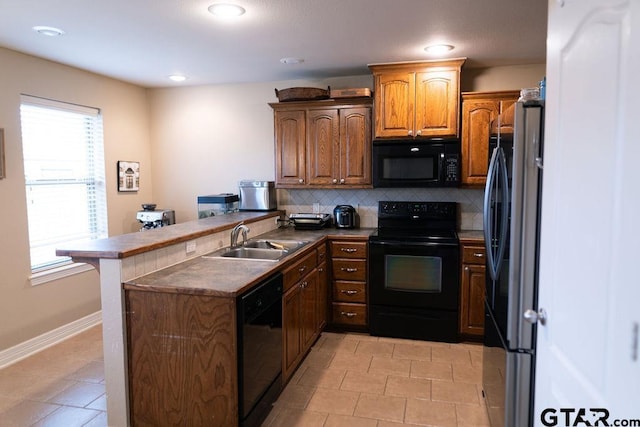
(150, 217)
(257, 195)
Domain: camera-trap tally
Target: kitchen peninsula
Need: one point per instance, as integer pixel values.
(166, 266)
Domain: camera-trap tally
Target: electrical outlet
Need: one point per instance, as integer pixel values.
(191, 246)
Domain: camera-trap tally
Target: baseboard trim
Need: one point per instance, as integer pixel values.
(39, 343)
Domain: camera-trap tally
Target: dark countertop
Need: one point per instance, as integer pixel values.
(126, 245)
(232, 277)
(471, 236)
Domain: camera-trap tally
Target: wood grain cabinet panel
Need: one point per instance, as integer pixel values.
(183, 360)
(349, 284)
(417, 99)
(323, 144)
(479, 111)
(472, 289)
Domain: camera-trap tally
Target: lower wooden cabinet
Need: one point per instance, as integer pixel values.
(472, 289)
(304, 308)
(349, 284)
(182, 360)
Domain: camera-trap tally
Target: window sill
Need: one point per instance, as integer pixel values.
(57, 273)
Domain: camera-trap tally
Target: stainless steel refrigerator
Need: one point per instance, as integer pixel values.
(511, 229)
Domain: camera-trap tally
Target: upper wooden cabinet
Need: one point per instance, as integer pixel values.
(479, 111)
(323, 144)
(417, 99)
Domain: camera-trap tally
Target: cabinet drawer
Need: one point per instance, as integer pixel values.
(349, 291)
(349, 314)
(349, 250)
(473, 255)
(349, 269)
(300, 269)
(322, 253)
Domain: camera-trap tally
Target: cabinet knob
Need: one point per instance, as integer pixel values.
(466, 269)
(302, 269)
(341, 180)
(419, 133)
(335, 180)
(304, 284)
(301, 181)
(410, 133)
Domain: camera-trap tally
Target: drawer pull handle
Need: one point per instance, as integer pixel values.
(349, 269)
(304, 284)
(302, 269)
(478, 254)
(348, 313)
(349, 250)
(349, 291)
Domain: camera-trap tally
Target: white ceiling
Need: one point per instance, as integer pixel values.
(145, 41)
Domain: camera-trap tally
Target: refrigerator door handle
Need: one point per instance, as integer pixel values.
(497, 181)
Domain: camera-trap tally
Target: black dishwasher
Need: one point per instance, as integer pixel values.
(259, 350)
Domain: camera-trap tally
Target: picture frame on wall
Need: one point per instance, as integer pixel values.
(128, 176)
(2, 170)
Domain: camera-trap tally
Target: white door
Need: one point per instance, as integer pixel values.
(589, 261)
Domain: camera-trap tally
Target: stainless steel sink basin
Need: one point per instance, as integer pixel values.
(287, 245)
(260, 250)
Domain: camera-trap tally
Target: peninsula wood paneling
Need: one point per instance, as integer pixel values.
(164, 331)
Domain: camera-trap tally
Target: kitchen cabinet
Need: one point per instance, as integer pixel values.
(479, 111)
(349, 284)
(302, 305)
(323, 144)
(472, 289)
(182, 362)
(417, 99)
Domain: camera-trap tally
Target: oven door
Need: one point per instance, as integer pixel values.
(414, 274)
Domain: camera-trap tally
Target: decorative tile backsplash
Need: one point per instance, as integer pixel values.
(366, 201)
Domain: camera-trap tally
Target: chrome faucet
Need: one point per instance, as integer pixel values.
(234, 234)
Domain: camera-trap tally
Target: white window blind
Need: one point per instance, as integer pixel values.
(64, 173)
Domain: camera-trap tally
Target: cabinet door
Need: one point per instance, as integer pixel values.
(394, 103)
(290, 147)
(437, 103)
(355, 146)
(322, 307)
(291, 329)
(472, 300)
(308, 307)
(477, 116)
(323, 139)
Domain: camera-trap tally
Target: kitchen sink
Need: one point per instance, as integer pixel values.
(259, 250)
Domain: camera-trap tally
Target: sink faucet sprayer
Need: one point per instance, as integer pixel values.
(234, 234)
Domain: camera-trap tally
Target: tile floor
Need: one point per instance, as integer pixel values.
(60, 386)
(346, 380)
(357, 380)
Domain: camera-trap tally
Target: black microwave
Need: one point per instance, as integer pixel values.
(429, 163)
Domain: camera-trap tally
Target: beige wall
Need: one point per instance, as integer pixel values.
(502, 78)
(27, 311)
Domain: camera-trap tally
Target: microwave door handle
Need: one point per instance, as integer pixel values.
(441, 167)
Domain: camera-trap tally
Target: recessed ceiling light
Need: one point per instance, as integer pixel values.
(48, 31)
(438, 48)
(177, 78)
(290, 61)
(226, 10)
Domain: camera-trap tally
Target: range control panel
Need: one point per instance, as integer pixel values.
(414, 210)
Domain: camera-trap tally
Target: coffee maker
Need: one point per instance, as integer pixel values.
(150, 217)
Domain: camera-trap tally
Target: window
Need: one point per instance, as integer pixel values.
(64, 173)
